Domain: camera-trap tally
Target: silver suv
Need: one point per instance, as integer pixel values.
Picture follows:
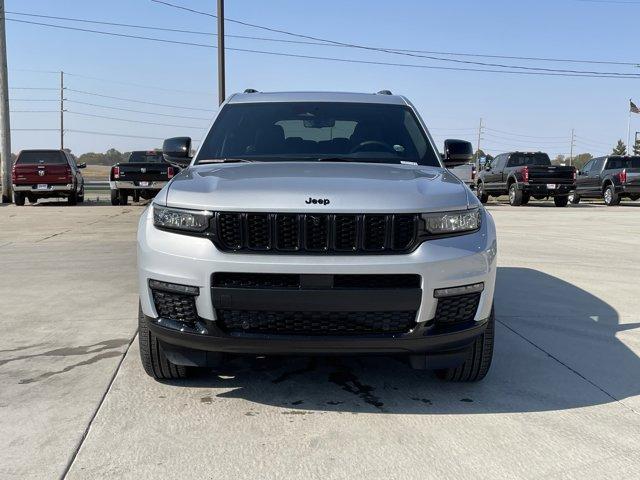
(316, 223)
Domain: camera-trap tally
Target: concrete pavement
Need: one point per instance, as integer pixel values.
(562, 399)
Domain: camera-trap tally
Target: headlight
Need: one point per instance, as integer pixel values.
(452, 222)
(179, 219)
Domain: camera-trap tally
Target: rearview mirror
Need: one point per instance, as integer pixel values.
(176, 151)
(457, 152)
(81, 165)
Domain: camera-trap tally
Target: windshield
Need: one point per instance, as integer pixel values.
(521, 159)
(624, 162)
(41, 157)
(318, 130)
(145, 157)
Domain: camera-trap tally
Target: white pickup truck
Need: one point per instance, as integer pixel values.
(315, 224)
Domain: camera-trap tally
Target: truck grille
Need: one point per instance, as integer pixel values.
(316, 233)
(316, 323)
(296, 281)
(457, 309)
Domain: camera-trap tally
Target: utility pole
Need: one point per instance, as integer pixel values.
(573, 144)
(5, 124)
(478, 149)
(221, 73)
(61, 110)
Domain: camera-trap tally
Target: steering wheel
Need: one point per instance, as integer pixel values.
(385, 146)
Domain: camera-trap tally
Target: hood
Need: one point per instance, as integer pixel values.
(323, 187)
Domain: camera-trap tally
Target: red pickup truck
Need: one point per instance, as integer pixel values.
(46, 174)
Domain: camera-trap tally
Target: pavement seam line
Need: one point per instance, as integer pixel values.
(85, 433)
(571, 369)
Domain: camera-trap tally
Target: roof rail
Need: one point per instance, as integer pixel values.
(384, 92)
(250, 90)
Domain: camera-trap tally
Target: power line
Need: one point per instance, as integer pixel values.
(520, 134)
(341, 60)
(135, 111)
(110, 134)
(32, 88)
(325, 44)
(34, 130)
(83, 92)
(526, 140)
(35, 111)
(32, 100)
(386, 50)
(139, 85)
(134, 121)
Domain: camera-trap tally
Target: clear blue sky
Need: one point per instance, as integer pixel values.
(449, 101)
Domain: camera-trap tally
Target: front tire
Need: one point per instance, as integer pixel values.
(478, 361)
(611, 198)
(153, 359)
(72, 199)
(561, 201)
(481, 194)
(515, 196)
(525, 198)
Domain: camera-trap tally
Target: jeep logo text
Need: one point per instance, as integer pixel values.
(318, 201)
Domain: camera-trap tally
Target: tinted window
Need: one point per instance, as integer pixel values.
(41, 157)
(587, 167)
(623, 162)
(312, 130)
(522, 159)
(145, 157)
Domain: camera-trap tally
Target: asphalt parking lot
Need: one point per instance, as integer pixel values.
(561, 401)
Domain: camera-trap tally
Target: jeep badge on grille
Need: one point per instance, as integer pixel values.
(318, 201)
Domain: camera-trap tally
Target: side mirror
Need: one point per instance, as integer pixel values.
(457, 152)
(176, 151)
(81, 165)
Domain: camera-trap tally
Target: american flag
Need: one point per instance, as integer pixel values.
(633, 108)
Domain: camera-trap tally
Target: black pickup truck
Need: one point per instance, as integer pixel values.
(523, 175)
(611, 178)
(141, 176)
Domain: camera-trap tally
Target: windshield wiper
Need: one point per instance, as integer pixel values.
(339, 159)
(223, 160)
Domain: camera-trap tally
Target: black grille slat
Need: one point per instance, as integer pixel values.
(316, 323)
(287, 232)
(230, 230)
(317, 233)
(175, 306)
(375, 232)
(255, 280)
(376, 281)
(457, 309)
(346, 233)
(258, 231)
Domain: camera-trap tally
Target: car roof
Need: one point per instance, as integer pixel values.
(347, 97)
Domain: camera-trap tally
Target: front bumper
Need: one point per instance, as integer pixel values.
(442, 263)
(131, 185)
(63, 188)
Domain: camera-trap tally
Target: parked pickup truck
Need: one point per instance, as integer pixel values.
(142, 175)
(523, 175)
(47, 174)
(313, 223)
(611, 178)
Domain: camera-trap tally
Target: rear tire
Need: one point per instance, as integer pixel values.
(633, 198)
(18, 198)
(611, 198)
(478, 361)
(115, 199)
(154, 361)
(561, 201)
(32, 199)
(81, 195)
(123, 198)
(72, 199)
(515, 196)
(136, 196)
(574, 198)
(481, 194)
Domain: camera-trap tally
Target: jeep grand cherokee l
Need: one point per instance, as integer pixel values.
(315, 223)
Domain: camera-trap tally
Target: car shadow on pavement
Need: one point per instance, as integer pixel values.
(556, 349)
